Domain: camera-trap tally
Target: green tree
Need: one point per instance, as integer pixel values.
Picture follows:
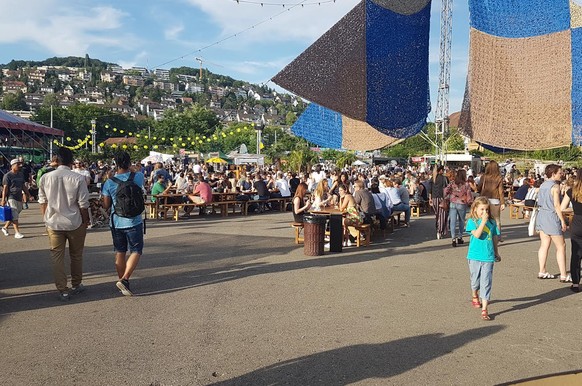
(345, 159)
(50, 100)
(14, 101)
(330, 154)
(302, 158)
(290, 118)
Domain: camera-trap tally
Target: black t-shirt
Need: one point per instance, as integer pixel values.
(293, 184)
(576, 205)
(261, 188)
(521, 192)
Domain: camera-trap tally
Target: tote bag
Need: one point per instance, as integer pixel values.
(531, 228)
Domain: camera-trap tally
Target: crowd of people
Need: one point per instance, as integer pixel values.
(364, 194)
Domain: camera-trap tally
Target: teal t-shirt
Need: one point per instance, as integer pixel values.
(110, 189)
(481, 249)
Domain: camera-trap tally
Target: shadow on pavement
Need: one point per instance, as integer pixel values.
(532, 301)
(356, 363)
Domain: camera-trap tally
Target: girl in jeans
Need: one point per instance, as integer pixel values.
(482, 253)
(459, 195)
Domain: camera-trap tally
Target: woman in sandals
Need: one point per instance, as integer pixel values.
(574, 196)
(551, 224)
(482, 253)
(491, 186)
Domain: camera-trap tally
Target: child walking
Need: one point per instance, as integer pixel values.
(482, 253)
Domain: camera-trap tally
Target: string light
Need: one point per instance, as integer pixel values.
(236, 34)
(262, 3)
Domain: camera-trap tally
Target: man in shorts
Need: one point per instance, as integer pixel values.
(127, 232)
(14, 186)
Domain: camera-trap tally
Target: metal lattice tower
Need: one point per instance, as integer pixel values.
(442, 107)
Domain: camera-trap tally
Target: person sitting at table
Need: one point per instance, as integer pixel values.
(321, 196)
(202, 194)
(260, 186)
(243, 185)
(160, 188)
(294, 182)
(352, 218)
(382, 203)
(181, 183)
(300, 204)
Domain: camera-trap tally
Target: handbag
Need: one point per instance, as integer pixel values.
(444, 204)
(531, 227)
(5, 213)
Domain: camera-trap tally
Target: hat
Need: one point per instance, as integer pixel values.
(382, 177)
(15, 161)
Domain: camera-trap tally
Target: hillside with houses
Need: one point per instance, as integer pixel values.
(140, 92)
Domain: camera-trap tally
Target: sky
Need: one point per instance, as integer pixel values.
(242, 39)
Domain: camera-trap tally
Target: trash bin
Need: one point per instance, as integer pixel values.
(313, 234)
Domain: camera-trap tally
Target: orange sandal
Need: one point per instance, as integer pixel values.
(485, 315)
(475, 302)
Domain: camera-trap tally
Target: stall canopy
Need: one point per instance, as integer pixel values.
(9, 121)
(22, 137)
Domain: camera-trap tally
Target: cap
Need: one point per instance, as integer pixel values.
(15, 161)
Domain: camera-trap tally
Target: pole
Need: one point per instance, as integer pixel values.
(93, 135)
(52, 138)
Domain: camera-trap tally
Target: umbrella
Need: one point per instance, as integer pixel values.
(216, 160)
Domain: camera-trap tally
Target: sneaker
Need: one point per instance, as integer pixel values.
(5, 231)
(460, 240)
(349, 243)
(64, 297)
(25, 205)
(454, 242)
(327, 246)
(123, 286)
(18, 235)
(77, 290)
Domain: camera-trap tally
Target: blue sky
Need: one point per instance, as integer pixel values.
(170, 33)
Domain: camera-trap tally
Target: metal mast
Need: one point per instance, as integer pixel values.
(442, 108)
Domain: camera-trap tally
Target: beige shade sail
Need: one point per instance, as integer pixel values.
(519, 91)
(358, 135)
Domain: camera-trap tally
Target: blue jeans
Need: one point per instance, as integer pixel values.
(481, 278)
(132, 237)
(457, 212)
(404, 208)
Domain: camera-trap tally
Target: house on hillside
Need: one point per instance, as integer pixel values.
(13, 86)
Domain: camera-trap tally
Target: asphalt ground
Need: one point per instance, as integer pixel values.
(233, 301)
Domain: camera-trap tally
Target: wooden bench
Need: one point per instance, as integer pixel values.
(151, 209)
(363, 234)
(298, 226)
(175, 208)
(417, 207)
(518, 210)
(393, 220)
(223, 206)
(246, 204)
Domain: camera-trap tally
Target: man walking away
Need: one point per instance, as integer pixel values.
(14, 185)
(125, 221)
(64, 203)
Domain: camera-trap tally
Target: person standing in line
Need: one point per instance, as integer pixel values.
(482, 254)
(574, 196)
(550, 223)
(64, 203)
(14, 185)
(125, 231)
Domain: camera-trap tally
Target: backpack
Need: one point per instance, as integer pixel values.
(129, 201)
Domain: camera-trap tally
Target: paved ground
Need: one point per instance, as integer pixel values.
(233, 301)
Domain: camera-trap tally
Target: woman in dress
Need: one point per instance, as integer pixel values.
(574, 196)
(551, 224)
(491, 186)
(300, 204)
(352, 217)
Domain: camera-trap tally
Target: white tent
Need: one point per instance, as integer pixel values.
(359, 163)
(157, 157)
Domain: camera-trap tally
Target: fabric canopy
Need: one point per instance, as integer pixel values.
(9, 121)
